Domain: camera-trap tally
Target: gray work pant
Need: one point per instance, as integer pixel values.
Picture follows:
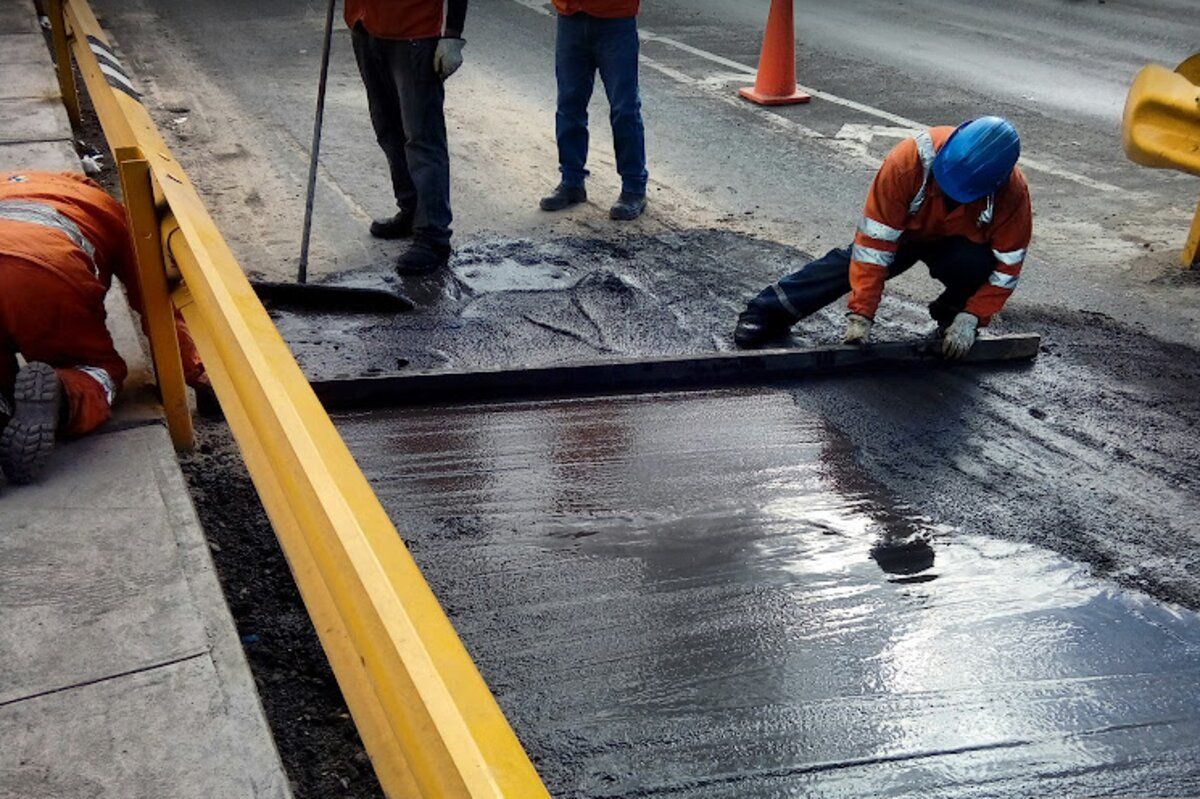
(406, 99)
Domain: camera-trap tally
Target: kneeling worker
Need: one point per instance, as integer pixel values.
(62, 239)
(953, 198)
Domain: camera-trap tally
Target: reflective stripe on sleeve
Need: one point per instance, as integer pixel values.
(1003, 281)
(104, 379)
(1010, 258)
(870, 255)
(46, 215)
(877, 230)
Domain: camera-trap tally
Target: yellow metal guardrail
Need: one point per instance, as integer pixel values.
(1161, 128)
(430, 725)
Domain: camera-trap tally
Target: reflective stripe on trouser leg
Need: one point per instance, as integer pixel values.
(808, 290)
(104, 379)
(782, 296)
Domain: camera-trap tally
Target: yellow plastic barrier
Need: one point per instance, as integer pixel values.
(430, 725)
(1161, 128)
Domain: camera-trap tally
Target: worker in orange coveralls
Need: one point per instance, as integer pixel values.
(62, 240)
(950, 197)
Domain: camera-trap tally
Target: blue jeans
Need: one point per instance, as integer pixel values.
(585, 45)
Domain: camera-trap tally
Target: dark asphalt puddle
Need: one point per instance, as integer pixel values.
(702, 595)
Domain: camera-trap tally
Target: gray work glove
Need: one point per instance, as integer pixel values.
(960, 336)
(858, 330)
(448, 57)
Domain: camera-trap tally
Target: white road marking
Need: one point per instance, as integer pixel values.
(865, 133)
(714, 87)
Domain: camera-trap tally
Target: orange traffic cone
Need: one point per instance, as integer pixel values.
(776, 81)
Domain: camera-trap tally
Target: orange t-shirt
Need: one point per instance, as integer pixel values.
(398, 19)
(609, 9)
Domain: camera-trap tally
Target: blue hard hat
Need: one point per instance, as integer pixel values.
(977, 158)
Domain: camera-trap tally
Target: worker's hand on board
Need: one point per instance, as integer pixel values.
(448, 57)
(858, 330)
(960, 336)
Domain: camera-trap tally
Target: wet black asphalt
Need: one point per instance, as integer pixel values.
(705, 595)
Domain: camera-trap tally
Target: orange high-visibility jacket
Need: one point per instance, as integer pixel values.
(77, 230)
(608, 9)
(398, 19)
(72, 227)
(905, 201)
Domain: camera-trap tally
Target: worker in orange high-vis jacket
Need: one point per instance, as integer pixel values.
(406, 50)
(950, 197)
(62, 240)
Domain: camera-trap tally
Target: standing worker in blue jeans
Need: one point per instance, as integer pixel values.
(599, 35)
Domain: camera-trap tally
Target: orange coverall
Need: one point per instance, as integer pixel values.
(62, 240)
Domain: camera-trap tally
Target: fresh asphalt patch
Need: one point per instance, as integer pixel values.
(648, 585)
(703, 595)
(1088, 451)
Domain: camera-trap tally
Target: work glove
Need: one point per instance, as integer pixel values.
(448, 57)
(960, 336)
(858, 330)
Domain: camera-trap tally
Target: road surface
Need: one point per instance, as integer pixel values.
(1087, 456)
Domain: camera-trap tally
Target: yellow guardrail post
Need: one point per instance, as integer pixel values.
(1161, 128)
(1191, 250)
(429, 722)
(137, 189)
(62, 61)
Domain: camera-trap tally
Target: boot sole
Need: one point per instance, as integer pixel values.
(28, 440)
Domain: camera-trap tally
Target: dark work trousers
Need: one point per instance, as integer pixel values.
(586, 45)
(960, 264)
(406, 98)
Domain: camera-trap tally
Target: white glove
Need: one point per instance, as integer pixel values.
(448, 57)
(858, 330)
(960, 336)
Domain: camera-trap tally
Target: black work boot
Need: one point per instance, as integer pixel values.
(629, 207)
(399, 226)
(423, 257)
(564, 196)
(28, 438)
(754, 328)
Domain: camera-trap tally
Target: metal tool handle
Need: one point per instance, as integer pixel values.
(315, 155)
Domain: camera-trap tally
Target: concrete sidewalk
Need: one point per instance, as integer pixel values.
(121, 672)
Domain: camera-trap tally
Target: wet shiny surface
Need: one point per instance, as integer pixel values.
(701, 595)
